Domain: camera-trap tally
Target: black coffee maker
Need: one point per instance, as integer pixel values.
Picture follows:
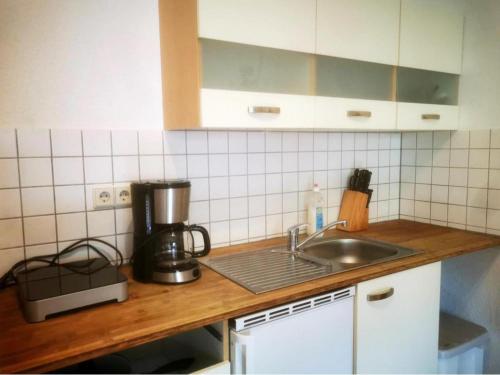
(164, 248)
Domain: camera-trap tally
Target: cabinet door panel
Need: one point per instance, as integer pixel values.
(342, 113)
(233, 109)
(285, 24)
(415, 116)
(399, 334)
(359, 29)
(431, 35)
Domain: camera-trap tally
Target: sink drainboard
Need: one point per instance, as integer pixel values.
(265, 270)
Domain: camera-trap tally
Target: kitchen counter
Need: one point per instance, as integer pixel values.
(155, 311)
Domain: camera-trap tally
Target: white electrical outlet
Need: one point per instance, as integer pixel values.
(103, 197)
(123, 196)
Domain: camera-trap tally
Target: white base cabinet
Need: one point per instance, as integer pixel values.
(399, 332)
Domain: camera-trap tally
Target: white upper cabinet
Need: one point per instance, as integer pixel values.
(284, 24)
(359, 29)
(431, 35)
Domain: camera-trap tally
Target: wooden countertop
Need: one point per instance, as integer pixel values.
(155, 311)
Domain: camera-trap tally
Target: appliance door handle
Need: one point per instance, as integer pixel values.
(242, 356)
(380, 295)
(206, 240)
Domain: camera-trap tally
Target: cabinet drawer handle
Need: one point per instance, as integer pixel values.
(384, 294)
(359, 114)
(431, 116)
(262, 109)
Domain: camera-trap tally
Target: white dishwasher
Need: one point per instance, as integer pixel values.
(314, 335)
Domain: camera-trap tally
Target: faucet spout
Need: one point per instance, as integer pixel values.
(293, 234)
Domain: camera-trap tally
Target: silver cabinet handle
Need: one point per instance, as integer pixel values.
(431, 116)
(378, 296)
(359, 114)
(263, 109)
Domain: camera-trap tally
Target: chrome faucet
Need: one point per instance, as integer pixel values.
(293, 235)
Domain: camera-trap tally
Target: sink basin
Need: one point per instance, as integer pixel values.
(353, 252)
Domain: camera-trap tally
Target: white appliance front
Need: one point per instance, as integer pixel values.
(316, 340)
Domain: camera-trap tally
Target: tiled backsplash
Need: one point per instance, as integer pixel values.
(452, 179)
(245, 185)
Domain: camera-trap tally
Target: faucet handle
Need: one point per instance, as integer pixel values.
(296, 228)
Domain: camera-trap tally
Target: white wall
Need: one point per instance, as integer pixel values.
(80, 64)
(480, 80)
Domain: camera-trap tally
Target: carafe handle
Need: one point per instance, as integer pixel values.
(206, 240)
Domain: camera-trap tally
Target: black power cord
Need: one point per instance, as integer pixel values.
(9, 278)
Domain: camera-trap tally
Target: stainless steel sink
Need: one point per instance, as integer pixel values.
(353, 252)
(264, 270)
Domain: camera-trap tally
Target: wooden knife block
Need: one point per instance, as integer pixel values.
(354, 210)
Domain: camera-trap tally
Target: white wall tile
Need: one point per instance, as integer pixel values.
(219, 187)
(441, 158)
(424, 158)
(441, 139)
(480, 138)
(384, 158)
(151, 167)
(494, 199)
(274, 204)
(306, 181)
(460, 139)
(96, 142)
(9, 175)
(372, 141)
(199, 212)
(306, 161)
(493, 217)
(306, 141)
(423, 192)
(407, 174)
(199, 189)
(66, 142)
(219, 232)
(101, 223)
(150, 142)
(422, 209)
(274, 183)
(347, 159)
(321, 160)
(217, 142)
(273, 142)
(35, 172)
(407, 190)
(459, 158)
(10, 204)
(494, 179)
(476, 216)
(274, 224)
(238, 164)
(360, 159)
(478, 178)
(395, 141)
(125, 168)
(256, 205)
(290, 162)
(457, 195)
(69, 198)
(457, 214)
(424, 140)
(68, 171)
(124, 142)
(219, 210)
(12, 233)
(124, 220)
(479, 158)
(440, 176)
(238, 208)
(175, 166)
(38, 201)
(256, 141)
(407, 207)
(197, 166)
(237, 142)
(33, 142)
(477, 197)
(409, 140)
(495, 138)
(256, 163)
(238, 230)
(238, 185)
(98, 170)
(257, 184)
(273, 162)
(290, 219)
(290, 142)
(39, 229)
(360, 141)
(495, 159)
(458, 176)
(197, 142)
(335, 141)
(71, 226)
(257, 227)
(321, 142)
(439, 194)
(290, 182)
(8, 147)
(408, 157)
(348, 141)
(174, 142)
(290, 202)
(218, 165)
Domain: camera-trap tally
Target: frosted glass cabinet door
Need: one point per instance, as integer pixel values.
(431, 35)
(399, 333)
(285, 24)
(359, 29)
